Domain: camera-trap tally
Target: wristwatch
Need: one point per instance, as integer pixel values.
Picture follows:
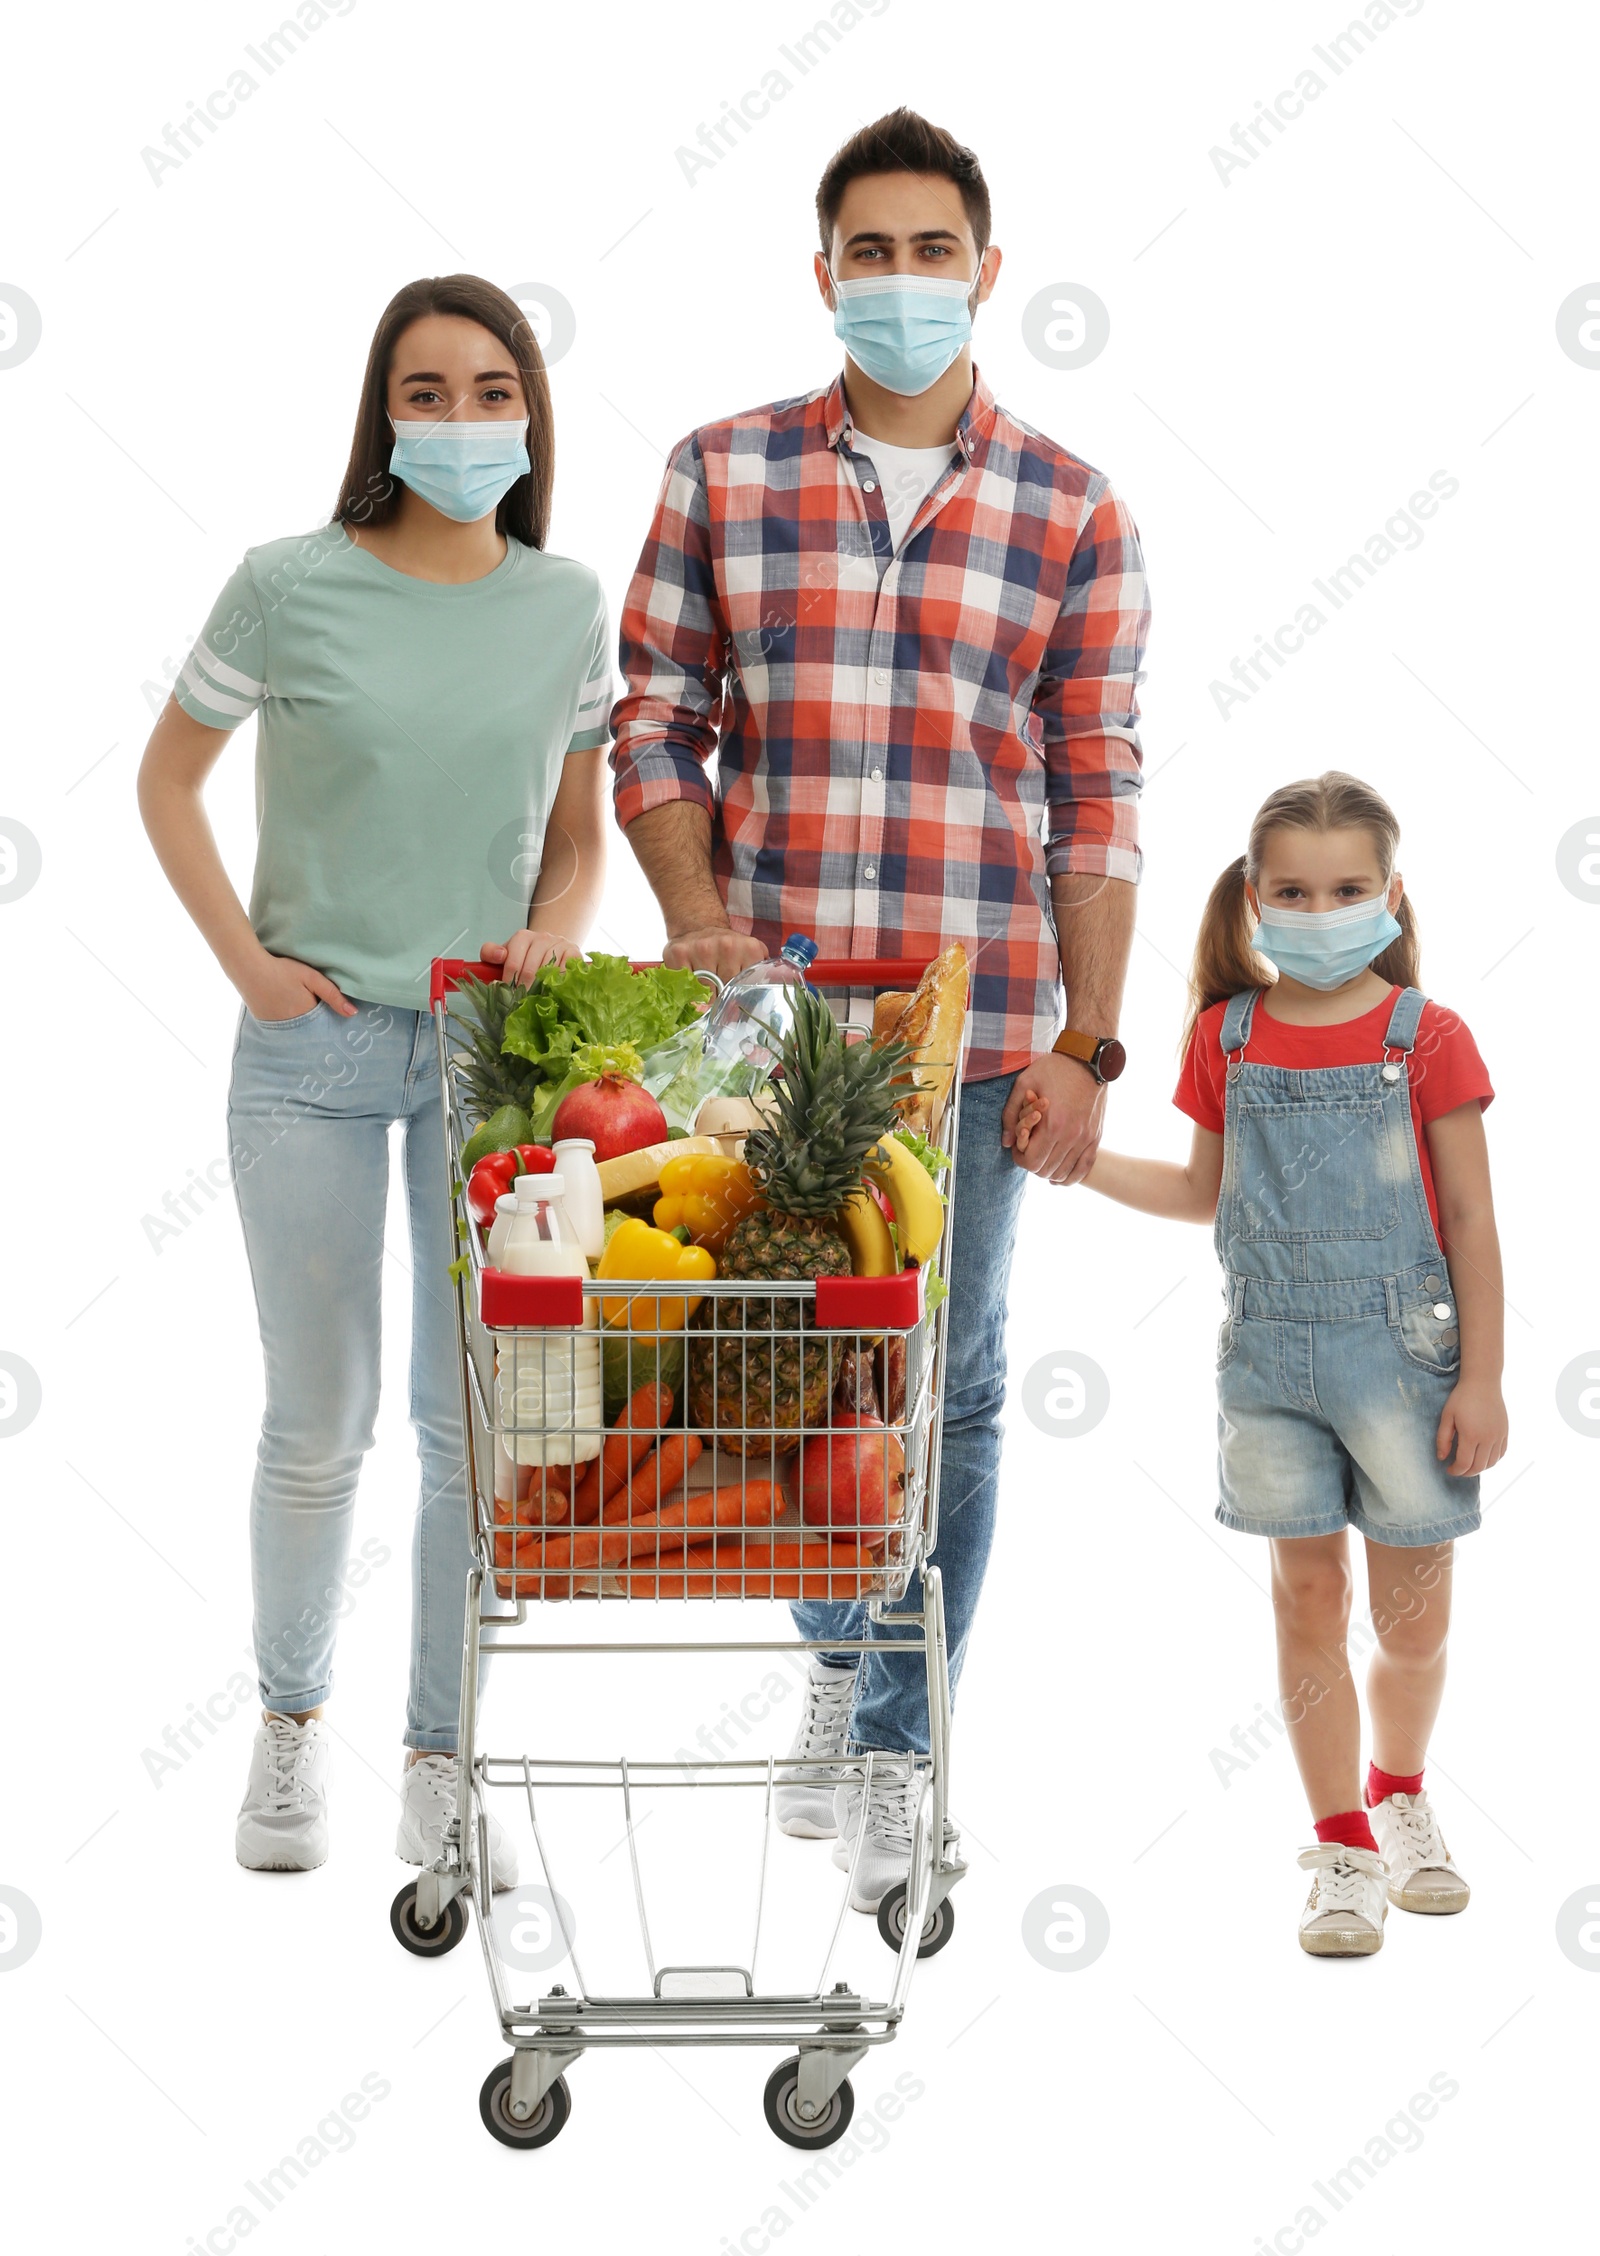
(1103, 1054)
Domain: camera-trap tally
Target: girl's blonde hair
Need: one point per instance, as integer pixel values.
(1224, 961)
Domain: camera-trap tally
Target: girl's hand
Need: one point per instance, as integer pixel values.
(529, 951)
(1027, 1120)
(281, 987)
(1474, 1423)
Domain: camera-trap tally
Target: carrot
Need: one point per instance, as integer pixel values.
(657, 1476)
(693, 1577)
(752, 1504)
(770, 1567)
(632, 1436)
(547, 1498)
(762, 1566)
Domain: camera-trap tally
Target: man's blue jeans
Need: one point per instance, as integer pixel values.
(891, 1707)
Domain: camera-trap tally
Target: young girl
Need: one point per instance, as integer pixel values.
(1339, 1145)
(431, 688)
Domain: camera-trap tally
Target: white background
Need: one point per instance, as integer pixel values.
(1292, 353)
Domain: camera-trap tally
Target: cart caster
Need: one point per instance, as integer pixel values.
(780, 2097)
(546, 2122)
(426, 1942)
(937, 1928)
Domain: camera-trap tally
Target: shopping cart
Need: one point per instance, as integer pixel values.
(711, 1515)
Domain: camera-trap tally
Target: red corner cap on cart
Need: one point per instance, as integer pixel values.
(871, 1304)
(554, 1301)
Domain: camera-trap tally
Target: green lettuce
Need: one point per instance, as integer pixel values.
(598, 999)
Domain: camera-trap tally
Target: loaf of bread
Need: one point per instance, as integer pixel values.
(930, 1021)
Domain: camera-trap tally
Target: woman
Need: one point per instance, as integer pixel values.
(432, 691)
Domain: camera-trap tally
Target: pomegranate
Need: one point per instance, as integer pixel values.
(853, 1478)
(614, 1113)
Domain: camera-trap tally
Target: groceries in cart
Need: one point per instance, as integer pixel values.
(774, 1446)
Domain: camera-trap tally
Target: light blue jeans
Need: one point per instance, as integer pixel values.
(891, 1704)
(309, 1112)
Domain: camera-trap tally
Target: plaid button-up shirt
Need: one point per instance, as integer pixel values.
(907, 746)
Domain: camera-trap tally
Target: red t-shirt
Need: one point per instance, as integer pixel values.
(1446, 1069)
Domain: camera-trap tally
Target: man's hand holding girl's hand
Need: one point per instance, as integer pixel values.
(1054, 1118)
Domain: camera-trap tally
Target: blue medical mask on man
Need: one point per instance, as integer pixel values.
(1323, 948)
(464, 470)
(903, 330)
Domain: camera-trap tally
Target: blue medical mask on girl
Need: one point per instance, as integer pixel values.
(903, 330)
(464, 470)
(1323, 948)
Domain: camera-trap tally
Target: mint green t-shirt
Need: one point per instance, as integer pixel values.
(409, 745)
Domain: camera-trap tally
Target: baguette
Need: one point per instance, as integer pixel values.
(929, 1021)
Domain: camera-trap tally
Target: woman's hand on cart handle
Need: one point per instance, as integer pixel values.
(529, 951)
(282, 987)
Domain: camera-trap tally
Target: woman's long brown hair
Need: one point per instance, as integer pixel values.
(1224, 961)
(368, 494)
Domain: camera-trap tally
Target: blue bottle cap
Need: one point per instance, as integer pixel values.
(801, 947)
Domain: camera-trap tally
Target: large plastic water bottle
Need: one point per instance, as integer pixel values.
(755, 1010)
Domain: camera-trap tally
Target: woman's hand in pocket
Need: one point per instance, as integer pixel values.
(529, 951)
(281, 987)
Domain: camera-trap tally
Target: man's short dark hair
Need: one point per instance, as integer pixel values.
(904, 142)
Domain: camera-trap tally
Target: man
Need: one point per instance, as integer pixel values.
(908, 631)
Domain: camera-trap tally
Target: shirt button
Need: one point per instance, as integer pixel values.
(881, 678)
(870, 872)
(1432, 1284)
(869, 485)
(877, 775)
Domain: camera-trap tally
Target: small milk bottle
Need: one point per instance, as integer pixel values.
(585, 1206)
(548, 1382)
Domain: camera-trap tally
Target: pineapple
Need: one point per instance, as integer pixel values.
(490, 1077)
(832, 1104)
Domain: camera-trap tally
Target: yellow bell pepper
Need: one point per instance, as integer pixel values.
(706, 1194)
(637, 1250)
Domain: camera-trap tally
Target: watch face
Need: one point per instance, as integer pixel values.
(1113, 1057)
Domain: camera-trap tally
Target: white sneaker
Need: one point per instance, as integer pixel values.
(1346, 1908)
(427, 1804)
(1421, 1875)
(805, 1805)
(886, 1851)
(283, 1819)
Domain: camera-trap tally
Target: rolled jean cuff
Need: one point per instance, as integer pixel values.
(432, 1742)
(296, 1703)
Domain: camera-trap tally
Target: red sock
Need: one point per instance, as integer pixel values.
(1382, 1783)
(1350, 1827)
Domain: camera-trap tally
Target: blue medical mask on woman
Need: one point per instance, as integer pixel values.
(1323, 948)
(903, 330)
(463, 469)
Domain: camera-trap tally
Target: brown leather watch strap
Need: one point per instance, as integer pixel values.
(1070, 1044)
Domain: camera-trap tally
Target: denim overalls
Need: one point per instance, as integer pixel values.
(1341, 1341)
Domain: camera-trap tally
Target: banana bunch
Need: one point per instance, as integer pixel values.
(918, 1212)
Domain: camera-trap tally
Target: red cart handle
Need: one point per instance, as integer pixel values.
(451, 972)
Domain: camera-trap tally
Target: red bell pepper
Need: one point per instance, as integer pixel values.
(495, 1173)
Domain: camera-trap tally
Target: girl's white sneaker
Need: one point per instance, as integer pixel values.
(1421, 1875)
(1347, 1906)
(283, 1819)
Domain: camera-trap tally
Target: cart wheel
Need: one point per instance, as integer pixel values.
(546, 2122)
(426, 1942)
(780, 2096)
(937, 1928)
